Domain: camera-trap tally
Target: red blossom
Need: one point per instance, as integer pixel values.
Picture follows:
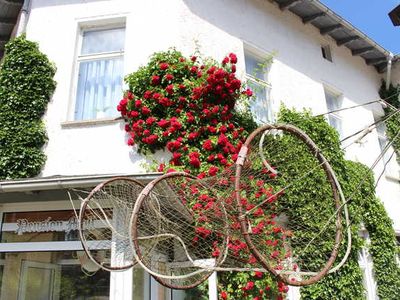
(207, 145)
(163, 66)
(169, 77)
(155, 80)
(233, 58)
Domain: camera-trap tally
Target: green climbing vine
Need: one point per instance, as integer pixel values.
(26, 85)
(392, 96)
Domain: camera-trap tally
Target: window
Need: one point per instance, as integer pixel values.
(326, 52)
(100, 73)
(256, 75)
(389, 162)
(334, 103)
(366, 265)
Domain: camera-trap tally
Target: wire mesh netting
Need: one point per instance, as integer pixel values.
(276, 195)
(104, 223)
(254, 216)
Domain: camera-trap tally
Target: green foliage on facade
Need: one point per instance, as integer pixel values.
(392, 96)
(365, 209)
(26, 85)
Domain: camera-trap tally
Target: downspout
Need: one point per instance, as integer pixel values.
(389, 70)
(23, 18)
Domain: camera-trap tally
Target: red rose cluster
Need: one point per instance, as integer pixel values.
(187, 107)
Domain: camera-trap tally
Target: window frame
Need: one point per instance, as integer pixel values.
(252, 79)
(392, 168)
(78, 58)
(326, 52)
(336, 115)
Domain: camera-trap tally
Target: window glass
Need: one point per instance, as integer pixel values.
(260, 105)
(100, 41)
(51, 275)
(100, 76)
(333, 103)
(42, 226)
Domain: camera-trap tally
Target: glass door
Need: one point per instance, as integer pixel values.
(39, 281)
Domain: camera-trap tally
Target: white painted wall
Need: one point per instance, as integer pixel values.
(298, 74)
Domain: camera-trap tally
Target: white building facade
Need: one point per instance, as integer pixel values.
(309, 70)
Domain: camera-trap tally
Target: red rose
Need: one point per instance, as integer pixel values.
(138, 103)
(233, 58)
(131, 142)
(146, 110)
(249, 92)
(249, 285)
(155, 80)
(147, 94)
(193, 69)
(152, 139)
(169, 77)
(224, 295)
(222, 139)
(129, 95)
(150, 120)
(233, 68)
(161, 168)
(225, 60)
(163, 66)
(163, 123)
(134, 114)
(170, 89)
(213, 171)
(193, 58)
(193, 135)
(207, 145)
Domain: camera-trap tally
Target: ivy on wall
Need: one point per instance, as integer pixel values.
(392, 96)
(26, 85)
(357, 182)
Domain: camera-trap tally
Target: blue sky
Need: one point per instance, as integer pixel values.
(370, 17)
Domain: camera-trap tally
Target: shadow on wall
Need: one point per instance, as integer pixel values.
(301, 53)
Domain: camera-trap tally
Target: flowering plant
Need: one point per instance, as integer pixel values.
(187, 106)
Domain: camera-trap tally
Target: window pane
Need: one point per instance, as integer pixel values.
(336, 123)
(51, 275)
(333, 102)
(100, 41)
(259, 105)
(254, 66)
(99, 88)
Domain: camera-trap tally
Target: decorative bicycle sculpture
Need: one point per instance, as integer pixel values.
(181, 229)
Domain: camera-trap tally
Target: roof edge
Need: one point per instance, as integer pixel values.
(66, 182)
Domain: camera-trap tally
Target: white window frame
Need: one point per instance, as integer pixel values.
(92, 25)
(367, 267)
(263, 82)
(335, 115)
(392, 168)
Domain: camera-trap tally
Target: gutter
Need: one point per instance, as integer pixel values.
(349, 26)
(66, 182)
(23, 18)
(389, 71)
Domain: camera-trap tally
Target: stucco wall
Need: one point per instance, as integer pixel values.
(298, 74)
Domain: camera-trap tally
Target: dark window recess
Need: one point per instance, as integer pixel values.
(326, 53)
